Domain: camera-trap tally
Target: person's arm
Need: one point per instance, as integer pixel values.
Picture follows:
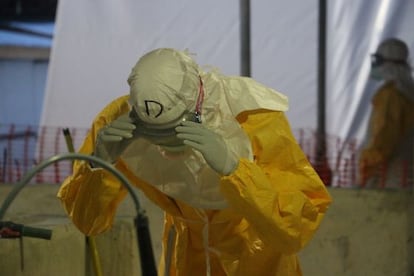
(90, 196)
(279, 193)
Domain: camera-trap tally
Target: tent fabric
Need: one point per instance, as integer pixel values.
(95, 47)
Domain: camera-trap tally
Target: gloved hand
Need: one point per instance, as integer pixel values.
(113, 139)
(210, 145)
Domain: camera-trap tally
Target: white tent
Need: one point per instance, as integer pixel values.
(96, 45)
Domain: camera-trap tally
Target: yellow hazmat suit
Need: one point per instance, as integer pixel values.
(250, 222)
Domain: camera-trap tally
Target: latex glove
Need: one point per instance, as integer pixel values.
(210, 145)
(113, 139)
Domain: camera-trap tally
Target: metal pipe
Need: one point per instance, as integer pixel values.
(245, 38)
(321, 163)
(68, 156)
(321, 75)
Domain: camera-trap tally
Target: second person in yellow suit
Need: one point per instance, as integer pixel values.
(386, 159)
(216, 153)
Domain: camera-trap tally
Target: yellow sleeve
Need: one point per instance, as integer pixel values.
(279, 193)
(91, 196)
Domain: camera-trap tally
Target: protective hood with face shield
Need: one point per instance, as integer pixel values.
(390, 62)
(166, 88)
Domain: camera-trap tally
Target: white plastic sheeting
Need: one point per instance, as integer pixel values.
(96, 45)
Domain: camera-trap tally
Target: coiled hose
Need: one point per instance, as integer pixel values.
(148, 266)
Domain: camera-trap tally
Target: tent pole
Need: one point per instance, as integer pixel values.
(321, 68)
(245, 38)
(321, 164)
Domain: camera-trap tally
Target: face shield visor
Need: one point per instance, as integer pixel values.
(378, 60)
(162, 135)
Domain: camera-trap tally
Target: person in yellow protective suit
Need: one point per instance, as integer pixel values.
(216, 153)
(387, 157)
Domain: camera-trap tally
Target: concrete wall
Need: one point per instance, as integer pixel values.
(365, 232)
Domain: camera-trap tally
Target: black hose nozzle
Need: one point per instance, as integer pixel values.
(11, 230)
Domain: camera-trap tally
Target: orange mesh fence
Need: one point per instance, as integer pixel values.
(26, 146)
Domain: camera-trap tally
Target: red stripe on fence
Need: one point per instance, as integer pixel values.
(56, 165)
(9, 154)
